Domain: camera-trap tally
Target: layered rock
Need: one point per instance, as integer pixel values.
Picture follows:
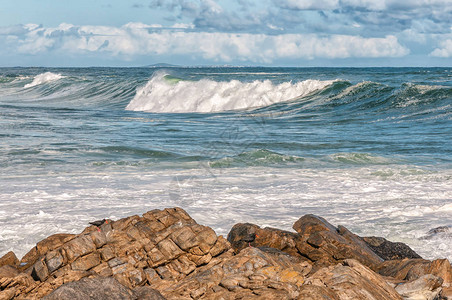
(316, 240)
(165, 254)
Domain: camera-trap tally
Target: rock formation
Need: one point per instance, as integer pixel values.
(165, 254)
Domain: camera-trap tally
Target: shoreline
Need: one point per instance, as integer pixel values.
(166, 252)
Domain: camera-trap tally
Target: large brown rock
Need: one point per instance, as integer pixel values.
(412, 269)
(325, 244)
(425, 287)
(50, 243)
(351, 280)
(244, 235)
(9, 259)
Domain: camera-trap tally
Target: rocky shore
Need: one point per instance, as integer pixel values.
(165, 254)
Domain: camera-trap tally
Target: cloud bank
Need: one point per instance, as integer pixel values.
(294, 32)
(136, 39)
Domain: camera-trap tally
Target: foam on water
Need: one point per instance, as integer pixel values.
(402, 207)
(44, 78)
(164, 94)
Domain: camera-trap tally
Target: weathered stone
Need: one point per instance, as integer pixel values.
(444, 232)
(103, 270)
(313, 292)
(329, 244)
(411, 269)
(245, 235)
(9, 259)
(183, 265)
(147, 293)
(115, 262)
(136, 277)
(86, 262)
(79, 246)
(220, 246)
(50, 243)
(156, 258)
(121, 224)
(40, 271)
(99, 238)
(8, 271)
(185, 238)
(8, 294)
(151, 276)
(106, 253)
(92, 288)
(54, 260)
(200, 260)
(389, 250)
(352, 280)
(427, 287)
(167, 273)
(169, 249)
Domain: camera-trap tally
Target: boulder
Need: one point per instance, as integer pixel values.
(352, 280)
(50, 243)
(411, 269)
(439, 232)
(244, 235)
(325, 244)
(427, 287)
(390, 250)
(9, 259)
(100, 288)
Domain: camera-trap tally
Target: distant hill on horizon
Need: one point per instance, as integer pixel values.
(160, 65)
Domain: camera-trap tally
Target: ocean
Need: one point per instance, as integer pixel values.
(367, 148)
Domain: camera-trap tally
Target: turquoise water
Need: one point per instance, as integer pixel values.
(368, 148)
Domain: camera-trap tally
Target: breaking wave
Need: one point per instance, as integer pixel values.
(166, 94)
(44, 78)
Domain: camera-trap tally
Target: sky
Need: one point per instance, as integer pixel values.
(297, 33)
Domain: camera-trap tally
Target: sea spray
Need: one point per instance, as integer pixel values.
(44, 78)
(164, 94)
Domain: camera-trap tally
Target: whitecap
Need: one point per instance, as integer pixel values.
(164, 94)
(44, 78)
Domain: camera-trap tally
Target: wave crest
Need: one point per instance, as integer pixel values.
(164, 94)
(43, 78)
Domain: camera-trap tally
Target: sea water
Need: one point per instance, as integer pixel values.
(367, 148)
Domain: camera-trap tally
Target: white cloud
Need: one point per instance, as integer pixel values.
(137, 39)
(445, 49)
(367, 4)
(310, 4)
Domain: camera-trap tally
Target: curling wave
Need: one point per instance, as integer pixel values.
(44, 78)
(164, 94)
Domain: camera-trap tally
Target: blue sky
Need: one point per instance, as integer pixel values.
(234, 32)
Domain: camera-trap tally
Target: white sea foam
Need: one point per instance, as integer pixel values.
(171, 96)
(43, 78)
(401, 207)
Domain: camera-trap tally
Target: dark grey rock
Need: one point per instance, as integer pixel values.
(390, 250)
